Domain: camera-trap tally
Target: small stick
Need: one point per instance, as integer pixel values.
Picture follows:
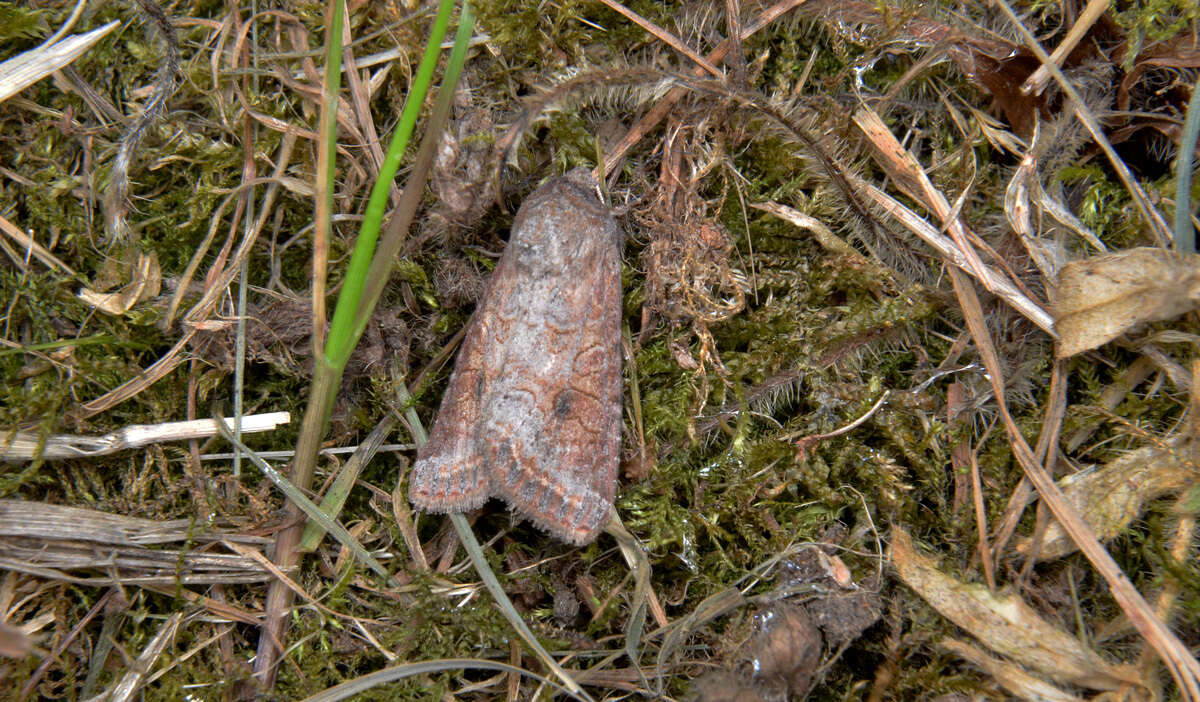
(667, 37)
(24, 446)
(1036, 82)
(656, 114)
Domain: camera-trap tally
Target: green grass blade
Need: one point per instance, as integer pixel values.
(341, 338)
(414, 188)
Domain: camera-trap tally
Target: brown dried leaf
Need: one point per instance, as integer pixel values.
(145, 283)
(1011, 677)
(1150, 99)
(1180, 51)
(1098, 299)
(1110, 498)
(1006, 625)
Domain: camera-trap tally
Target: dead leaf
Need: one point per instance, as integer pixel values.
(1179, 52)
(1110, 498)
(1155, 90)
(1098, 299)
(836, 569)
(1006, 625)
(1011, 677)
(145, 283)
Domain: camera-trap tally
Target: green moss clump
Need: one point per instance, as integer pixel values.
(1149, 21)
(18, 22)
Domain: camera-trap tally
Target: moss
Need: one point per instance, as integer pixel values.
(17, 23)
(739, 473)
(1149, 21)
(1106, 208)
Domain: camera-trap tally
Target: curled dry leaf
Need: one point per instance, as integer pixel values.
(1098, 299)
(145, 283)
(1110, 498)
(1008, 626)
(1011, 677)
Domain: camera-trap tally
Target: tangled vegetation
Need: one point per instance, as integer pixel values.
(825, 404)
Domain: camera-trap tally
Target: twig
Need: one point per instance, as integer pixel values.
(1036, 82)
(24, 446)
(667, 37)
(659, 111)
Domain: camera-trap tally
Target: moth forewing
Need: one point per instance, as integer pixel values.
(533, 411)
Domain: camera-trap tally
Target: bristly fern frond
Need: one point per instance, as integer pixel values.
(766, 398)
(641, 84)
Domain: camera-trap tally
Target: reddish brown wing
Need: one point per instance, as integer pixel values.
(533, 411)
(448, 475)
(553, 408)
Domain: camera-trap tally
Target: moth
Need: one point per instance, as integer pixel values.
(533, 410)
